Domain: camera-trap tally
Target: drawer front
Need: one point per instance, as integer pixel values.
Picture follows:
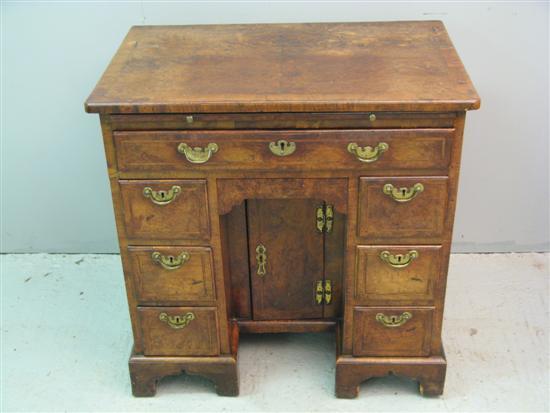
(179, 331)
(166, 209)
(402, 209)
(397, 275)
(172, 275)
(396, 331)
(328, 149)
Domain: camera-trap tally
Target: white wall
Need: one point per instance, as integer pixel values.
(55, 193)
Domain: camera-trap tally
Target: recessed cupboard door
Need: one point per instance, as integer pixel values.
(286, 259)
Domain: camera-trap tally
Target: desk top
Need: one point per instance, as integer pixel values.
(317, 67)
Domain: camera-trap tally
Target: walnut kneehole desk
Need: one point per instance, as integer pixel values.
(285, 178)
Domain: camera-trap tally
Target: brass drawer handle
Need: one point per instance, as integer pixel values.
(177, 321)
(162, 197)
(261, 259)
(399, 260)
(197, 154)
(403, 194)
(393, 320)
(169, 262)
(282, 148)
(368, 153)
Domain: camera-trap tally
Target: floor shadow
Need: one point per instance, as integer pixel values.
(185, 383)
(390, 384)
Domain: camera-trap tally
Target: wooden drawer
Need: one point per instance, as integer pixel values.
(166, 209)
(179, 331)
(172, 275)
(420, 216)
(396, 331)
(397, 275)
(314, 149)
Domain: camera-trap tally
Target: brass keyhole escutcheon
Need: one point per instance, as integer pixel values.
(282, 147)
(261, 260)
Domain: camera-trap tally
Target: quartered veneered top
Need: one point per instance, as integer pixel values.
(318, 67)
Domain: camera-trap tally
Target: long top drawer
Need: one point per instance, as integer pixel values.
(365, 150)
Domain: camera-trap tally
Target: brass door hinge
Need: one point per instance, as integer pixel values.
(324, 218)
(323, 292)
(319, 291)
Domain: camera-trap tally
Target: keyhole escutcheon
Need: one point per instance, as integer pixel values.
(261, 260)
(282, 147)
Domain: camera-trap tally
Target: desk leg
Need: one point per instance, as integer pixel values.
(146, 372)
(352, 371)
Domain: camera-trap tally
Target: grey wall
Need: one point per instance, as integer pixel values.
(55, 193)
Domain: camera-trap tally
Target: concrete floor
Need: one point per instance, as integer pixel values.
(66, 339)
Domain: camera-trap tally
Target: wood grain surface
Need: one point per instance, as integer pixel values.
(316, 67)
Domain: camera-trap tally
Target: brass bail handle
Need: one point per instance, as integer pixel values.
(177, 321)
(403, 194)
(399, 260)
(392, 321)
(198, 155)
(162, 197)
(368, 154)
(169, 262)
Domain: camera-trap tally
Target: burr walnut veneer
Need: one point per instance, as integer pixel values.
(285, 178)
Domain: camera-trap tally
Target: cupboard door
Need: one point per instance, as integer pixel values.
(286, 259)
(334, 264)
